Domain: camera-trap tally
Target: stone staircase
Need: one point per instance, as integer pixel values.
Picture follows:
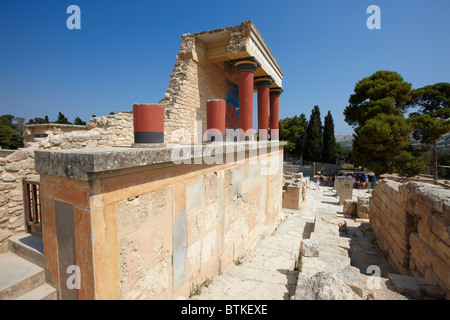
(23, 271)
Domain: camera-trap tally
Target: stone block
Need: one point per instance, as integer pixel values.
(292, 198)
(309, 248)
(323, 286)
(195, 195)
(349, 207)
(416, 288)
(17, 156)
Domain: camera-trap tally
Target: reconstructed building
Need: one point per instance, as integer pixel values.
(154, 219)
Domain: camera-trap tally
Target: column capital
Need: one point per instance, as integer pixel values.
(264, 81)
(276, 91)
(249, 64)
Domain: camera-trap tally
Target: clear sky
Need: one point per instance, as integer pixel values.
(126, 50)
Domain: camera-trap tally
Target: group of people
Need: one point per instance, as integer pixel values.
(360, 181)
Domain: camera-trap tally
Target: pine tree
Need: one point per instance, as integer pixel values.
(329, 141)
(381, 140)
(62, 119)
(313, 141)
(79, 122)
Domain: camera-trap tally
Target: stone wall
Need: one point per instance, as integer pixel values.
(13, 168)
(411, 223)
(227, 211)
(107, 131)
(145, 228)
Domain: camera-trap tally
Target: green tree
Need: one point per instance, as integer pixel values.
(329, 141)
(11, 127)
(293, 130)
(383, 92)
(383, 146)
(314, 142)
(344, 154)
(62, 119)
(79, 122)
(381, 140)
(431, 121)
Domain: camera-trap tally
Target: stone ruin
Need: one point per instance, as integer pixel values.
(116, 204)
(294, 190)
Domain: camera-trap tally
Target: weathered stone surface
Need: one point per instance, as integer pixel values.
(8, 177)
(363, 208)
(4, 234)
(323, 286)
(350, 275)
(13, 167)
(416, 288)
(78, 163)
(412, 227)
(17, 156)
(349, 207)
(309, 248)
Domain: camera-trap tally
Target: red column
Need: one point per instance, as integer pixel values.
(263, 85)
(148, 123)
(215, 119)
(274, 112)
(246, 69)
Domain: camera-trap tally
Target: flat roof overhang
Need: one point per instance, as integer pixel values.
(219, 49)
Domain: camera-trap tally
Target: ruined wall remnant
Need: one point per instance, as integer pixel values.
(107, 131)
(294, 191)
(194, 80)
(411, 223)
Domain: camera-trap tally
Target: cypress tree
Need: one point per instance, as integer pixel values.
(329, 141)
(314, 142)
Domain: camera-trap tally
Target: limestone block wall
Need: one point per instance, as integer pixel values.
(411, 223)
(165, 252)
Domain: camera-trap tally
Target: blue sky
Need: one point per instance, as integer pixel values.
(125, 50)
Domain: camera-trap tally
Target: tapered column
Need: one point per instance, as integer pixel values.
(274, 112)
(246, 69)
(263, 85)
(215, 120)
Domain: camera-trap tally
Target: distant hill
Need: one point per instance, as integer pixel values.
(346, 141)
(443, 143)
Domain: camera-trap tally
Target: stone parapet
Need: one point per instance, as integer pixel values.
(144, 227)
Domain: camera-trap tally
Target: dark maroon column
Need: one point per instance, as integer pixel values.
(148, 123)
(263, 85)
(274, 112)
(215, 119)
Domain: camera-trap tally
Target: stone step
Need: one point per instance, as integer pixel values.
(43, 292)
(18, 276)
(29, 247)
